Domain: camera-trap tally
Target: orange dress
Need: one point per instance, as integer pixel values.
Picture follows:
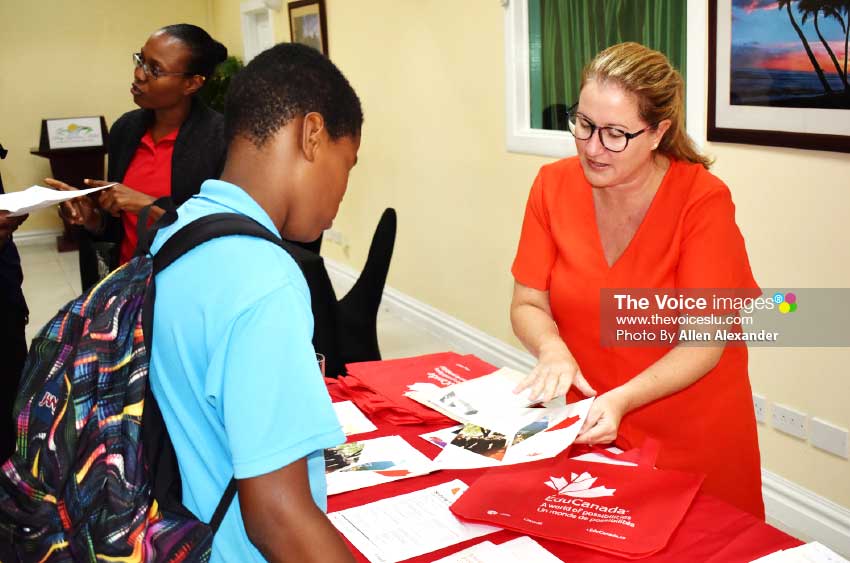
(688, 239)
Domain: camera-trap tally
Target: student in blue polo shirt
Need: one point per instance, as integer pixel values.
(233, 368)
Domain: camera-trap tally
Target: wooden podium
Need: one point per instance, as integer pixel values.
(72, 164)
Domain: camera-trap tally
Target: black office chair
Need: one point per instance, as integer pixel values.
(346, 330)
(357, 312)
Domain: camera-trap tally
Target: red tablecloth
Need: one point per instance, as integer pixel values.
(712, 530)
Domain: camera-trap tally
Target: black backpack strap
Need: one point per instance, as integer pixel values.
(145, 234)
(159, 451)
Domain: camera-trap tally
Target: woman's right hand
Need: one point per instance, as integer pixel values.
(556, 371)
(78, 211)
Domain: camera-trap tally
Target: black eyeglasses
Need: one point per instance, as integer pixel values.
(612, 138)
(154, 71)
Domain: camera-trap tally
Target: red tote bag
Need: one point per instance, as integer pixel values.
(626, 511)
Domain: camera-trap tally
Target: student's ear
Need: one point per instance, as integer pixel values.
(194, 83)
(312, 130)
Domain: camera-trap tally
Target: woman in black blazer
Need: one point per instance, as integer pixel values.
(170, 69)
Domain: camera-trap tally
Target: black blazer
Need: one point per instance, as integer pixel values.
(199, 153)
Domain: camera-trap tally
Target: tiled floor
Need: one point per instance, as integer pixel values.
(51, 279)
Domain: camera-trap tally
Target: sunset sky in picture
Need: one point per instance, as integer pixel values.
(762, 37)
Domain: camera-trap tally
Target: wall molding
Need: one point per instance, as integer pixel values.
(807, 515)
(793, 508)
(36, 236)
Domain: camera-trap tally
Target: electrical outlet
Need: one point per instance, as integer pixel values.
(793, 422)
(828, 437)
(760, 405)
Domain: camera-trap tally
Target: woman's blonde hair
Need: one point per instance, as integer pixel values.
(659, 88)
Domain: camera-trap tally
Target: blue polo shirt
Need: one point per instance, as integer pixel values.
(233, 367)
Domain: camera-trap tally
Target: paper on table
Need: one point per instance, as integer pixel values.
(39, 197)
(813, 552)
(525, 435)
(352, 419)
(484, 552)
(519, 549)
(366, 463)
(478, 400)
(526, 549)
(404, 526)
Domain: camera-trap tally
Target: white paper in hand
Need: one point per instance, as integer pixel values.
(39, 197)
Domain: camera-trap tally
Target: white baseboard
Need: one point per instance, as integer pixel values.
(450, 329)
(807, 515)
(796, 510)
(41, 236)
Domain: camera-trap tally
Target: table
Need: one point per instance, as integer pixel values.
(712, 531)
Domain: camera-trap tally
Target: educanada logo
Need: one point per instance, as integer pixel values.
(787, 302)
(580, 486)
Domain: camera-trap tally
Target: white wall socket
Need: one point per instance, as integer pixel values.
(793, 422)
(760, 406)
(336, 237)
(828, 437)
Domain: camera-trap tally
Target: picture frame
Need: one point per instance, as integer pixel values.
(85, 132)
(771, 82)
(308, 25)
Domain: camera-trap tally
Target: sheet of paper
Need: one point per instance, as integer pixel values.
(405, 526)
(366, 463)
(39, 197)
(534, 434)
(352, 419)
(519, 549)
(814, 552)
(484, 552)
(526, 549)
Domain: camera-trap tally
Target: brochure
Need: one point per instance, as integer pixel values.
(366, 463)
(516, 436)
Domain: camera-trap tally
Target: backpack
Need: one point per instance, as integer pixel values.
(94, 476)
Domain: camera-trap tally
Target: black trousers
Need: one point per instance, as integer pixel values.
(13, 354)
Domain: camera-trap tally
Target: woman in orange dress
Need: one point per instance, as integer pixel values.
(637, 208)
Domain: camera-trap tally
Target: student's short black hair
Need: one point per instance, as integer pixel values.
(284, 82)
(207, 53)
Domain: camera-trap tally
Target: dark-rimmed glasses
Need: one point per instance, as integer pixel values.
(154, 71)
(612, 138)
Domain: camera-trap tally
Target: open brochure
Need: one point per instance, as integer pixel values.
(477, 400)
(500, 427)
(365, 463)
(516, 436)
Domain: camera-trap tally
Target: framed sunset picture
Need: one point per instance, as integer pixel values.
(778, 73)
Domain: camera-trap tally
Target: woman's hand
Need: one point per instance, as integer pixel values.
(555, 372)
(604, 418)
(120, 198)
(78, 211)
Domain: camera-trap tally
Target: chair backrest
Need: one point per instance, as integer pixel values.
(357, 312)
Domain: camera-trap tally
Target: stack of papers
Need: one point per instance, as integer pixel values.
(405, 526)
(810, 553)
(39, 197)
(366, 463)
(520, 549)
(499, 427)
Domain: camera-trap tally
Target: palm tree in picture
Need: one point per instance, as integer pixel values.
(809, 8)
(787, 5)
